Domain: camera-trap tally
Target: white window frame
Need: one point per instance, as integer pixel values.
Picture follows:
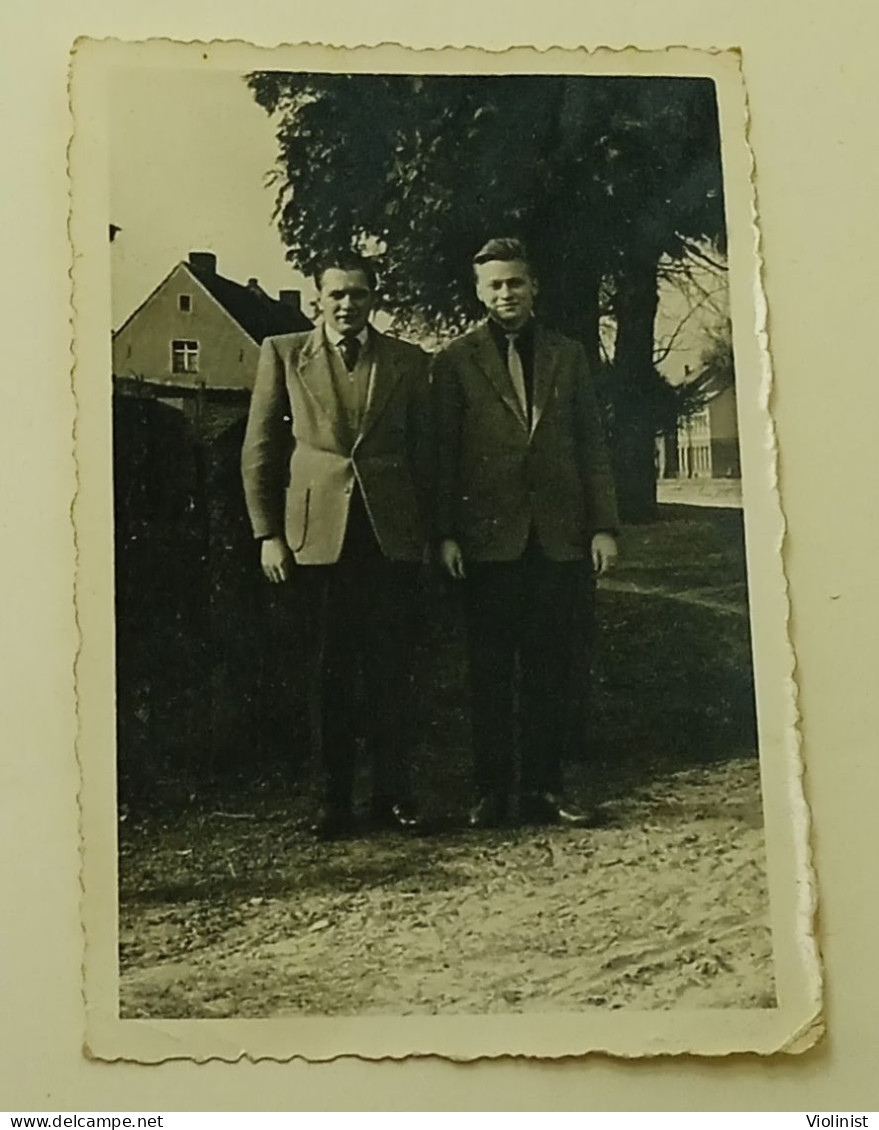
(188, 351)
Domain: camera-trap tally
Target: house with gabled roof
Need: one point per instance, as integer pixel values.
(200, 330)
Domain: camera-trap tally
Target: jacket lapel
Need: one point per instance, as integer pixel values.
(494, 367)
(545, 367)
(316, 377)
(382, 381)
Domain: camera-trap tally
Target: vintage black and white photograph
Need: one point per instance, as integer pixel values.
(434, 668)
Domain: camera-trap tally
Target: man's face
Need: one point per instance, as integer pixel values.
(345, 300)
(507, 291)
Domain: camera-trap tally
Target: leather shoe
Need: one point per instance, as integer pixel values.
(547, 808)
(334, 822)
(395, 816)
(490, 811)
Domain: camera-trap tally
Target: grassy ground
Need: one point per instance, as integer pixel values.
(689, 548)
(674, 679)
(228, 907)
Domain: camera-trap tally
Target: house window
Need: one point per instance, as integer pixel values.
(184, 356)
(184, 301)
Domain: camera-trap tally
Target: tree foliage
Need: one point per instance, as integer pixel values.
(603, 177)
(716, 360)
(599, 171)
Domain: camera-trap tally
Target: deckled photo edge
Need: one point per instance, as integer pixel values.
(111, 1038)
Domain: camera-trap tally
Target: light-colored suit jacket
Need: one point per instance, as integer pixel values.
(498, 478)
(300, 465)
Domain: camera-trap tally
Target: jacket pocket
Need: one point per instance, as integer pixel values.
(298, 519)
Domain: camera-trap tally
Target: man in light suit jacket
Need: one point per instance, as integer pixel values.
(336, 466)
(525, 508)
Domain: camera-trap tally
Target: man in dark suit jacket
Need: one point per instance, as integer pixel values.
(336, 466)
(525, 506)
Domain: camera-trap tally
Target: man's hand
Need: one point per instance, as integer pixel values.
(604, 553)
(452, 559)
(276, 560)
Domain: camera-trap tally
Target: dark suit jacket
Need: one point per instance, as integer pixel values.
(300, 466)
(496, 478)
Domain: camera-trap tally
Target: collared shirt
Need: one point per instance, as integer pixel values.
(525, 344)
(334, 337)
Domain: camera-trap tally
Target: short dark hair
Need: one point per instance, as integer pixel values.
(345, 261)
(505, 249)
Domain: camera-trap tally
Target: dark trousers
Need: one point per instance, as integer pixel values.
(531, 608)
(366, 606)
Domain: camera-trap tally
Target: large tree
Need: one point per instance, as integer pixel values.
(605, 178)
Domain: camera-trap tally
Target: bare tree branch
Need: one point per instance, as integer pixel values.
(697, 253)
(663, 351)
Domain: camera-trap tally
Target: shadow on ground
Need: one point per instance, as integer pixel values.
(668, 686)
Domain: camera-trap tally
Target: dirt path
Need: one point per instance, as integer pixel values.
(666, 906)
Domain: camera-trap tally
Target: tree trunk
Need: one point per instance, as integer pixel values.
(576, 311)
(636, 419)
(672, 456)
(569, 291)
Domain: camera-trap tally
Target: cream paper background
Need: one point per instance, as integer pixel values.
(811, 85)
(794, 1024)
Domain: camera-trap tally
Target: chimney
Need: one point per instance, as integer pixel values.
(203, 262)
(291, 298)
(253, 284)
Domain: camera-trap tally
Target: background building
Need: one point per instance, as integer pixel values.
(708, 440)
(198, 328)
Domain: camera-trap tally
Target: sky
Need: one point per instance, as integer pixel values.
(189, 154)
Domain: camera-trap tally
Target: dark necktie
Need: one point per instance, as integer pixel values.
(349, 347)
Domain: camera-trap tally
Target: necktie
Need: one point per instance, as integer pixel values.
(517, 372)
(349, 347)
